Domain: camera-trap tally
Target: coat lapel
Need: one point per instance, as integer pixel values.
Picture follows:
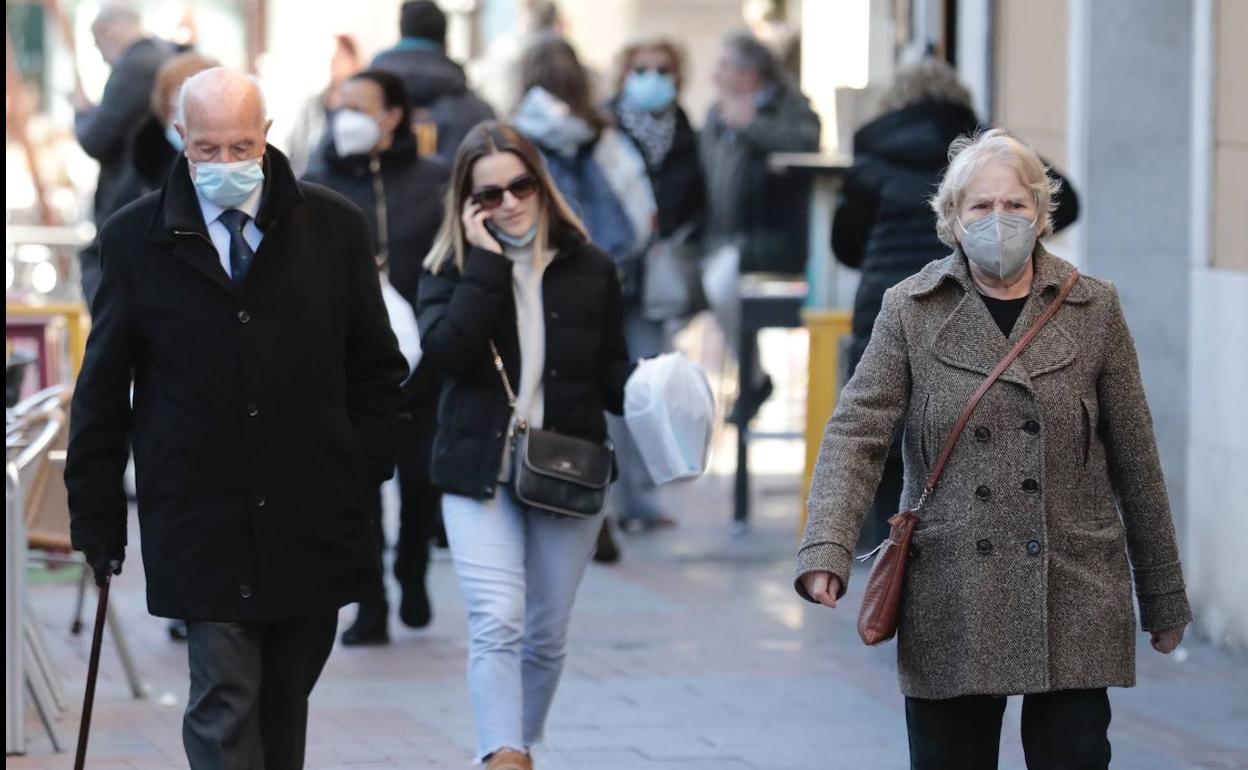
(969, 338)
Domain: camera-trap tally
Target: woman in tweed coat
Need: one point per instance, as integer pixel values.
(1020, 579)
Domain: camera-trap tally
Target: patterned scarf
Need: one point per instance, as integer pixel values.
(653, 132)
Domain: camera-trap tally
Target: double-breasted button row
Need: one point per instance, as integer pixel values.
(983, 492)
(1031, 485)
(982, 433)
(244, 317)
(244, 590)
(984, 547)
(1032, 427)
(251, 409)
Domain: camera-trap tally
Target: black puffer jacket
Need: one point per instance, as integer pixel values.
(412, 203)
(587, 359)
(884, 225)
(438, 89)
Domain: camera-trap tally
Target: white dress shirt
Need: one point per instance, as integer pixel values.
(220, 234)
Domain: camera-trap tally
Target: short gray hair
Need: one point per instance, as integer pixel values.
(748, 53)
(116, 14)
(971, 153)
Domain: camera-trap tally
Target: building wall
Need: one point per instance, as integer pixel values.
(1217, 455)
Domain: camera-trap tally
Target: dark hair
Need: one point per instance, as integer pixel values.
(393, 92)
(488, 138)
(552, 64)
(752, 55)
(423, 19)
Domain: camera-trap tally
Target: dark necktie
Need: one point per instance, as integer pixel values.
(241, 254)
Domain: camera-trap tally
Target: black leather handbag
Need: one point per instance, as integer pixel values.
(560, 474)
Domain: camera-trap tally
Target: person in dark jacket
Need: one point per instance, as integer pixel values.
(648, 113)
(106, 130)
(757, 219)
(157, 143)
(437, 87)
(884, 225)
(245, 310)
(371, 159)
(513, 267)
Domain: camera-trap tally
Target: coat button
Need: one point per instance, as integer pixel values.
(554, 374)
(251, 410)
(984, 546)
(244, 317)
(244, 591)
(260, 501)
(1032, 427)
(982, 433)
(1033, 547)
(1030, 485)
(554, 315)
(983, 493)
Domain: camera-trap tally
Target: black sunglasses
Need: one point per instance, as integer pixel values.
(491, 198)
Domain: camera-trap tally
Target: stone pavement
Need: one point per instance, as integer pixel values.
(693, 652)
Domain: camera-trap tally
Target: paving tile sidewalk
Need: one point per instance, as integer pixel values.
(692, 653)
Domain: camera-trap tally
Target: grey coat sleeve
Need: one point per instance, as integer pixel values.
(795, 127)
(855, 445)
(1126, 427)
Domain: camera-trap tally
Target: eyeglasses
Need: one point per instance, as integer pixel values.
(644, 70)
(491, 198)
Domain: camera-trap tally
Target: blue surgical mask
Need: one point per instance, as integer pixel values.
(650, 91)
(174, 138)
(228, 184)
(514, 241)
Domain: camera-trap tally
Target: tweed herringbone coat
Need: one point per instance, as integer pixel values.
(1021, 574)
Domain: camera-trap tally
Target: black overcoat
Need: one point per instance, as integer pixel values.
(263, 415)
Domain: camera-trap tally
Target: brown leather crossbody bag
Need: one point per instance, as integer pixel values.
(877, 618)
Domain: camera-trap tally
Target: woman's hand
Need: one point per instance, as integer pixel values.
(474, 218)
(823, 587)
(1166, 640)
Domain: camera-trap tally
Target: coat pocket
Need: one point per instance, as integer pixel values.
(1089, 417)
(925, 439)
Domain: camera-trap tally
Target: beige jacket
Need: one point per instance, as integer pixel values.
(1051, 506)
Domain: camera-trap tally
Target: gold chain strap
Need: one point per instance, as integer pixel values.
(521, 424)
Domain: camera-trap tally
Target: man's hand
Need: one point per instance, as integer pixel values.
(1166, 640)
(823, 587)
(105, 562)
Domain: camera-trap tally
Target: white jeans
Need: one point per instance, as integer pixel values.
(519, 570)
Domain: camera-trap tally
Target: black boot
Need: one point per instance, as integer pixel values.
(410, 567)
(370, 626)
(606, 552)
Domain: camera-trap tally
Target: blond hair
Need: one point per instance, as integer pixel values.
(488, 138)
(968, 155)
(639, 43)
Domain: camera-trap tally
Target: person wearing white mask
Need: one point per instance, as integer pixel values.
(370, 157)
(1052, 504)
(244, 309)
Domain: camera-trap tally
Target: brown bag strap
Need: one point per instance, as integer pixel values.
(932, 480)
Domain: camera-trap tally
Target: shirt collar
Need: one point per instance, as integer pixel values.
(250, 206)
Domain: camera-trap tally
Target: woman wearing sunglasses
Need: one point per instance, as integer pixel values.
(513, 267)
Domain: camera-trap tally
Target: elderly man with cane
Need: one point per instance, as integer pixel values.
(245, 309)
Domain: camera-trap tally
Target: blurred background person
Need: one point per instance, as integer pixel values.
(106, 130)
(497, 72)
(647, 111)
(308, 131)
(157, 143)
(605, 180)
(757, 219)
(370, 157)
(884, 225)
(436, 86)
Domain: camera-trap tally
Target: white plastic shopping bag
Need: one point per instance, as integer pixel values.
(670, 411)
(402, 323)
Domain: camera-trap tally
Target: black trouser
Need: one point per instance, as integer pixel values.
(420, 507)
(1063, 730)
(250, 682)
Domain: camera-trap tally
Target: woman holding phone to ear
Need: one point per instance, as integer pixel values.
(513, 266)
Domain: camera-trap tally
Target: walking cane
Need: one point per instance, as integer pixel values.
(93, 671)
